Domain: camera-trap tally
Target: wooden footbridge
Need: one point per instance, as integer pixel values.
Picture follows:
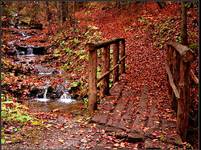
(116, 110)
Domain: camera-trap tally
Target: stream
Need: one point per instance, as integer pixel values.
(44, 98)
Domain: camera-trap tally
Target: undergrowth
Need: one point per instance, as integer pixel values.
(13, 117)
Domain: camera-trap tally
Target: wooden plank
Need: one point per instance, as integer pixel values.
(100, 118)
(139, 121)
(193, 77)
(104, 44)
(122, 54)
(186, 53)
(127, 117)
(115, 116)
(115, 62)
(92, 81)
(106, 68)
(172, 84)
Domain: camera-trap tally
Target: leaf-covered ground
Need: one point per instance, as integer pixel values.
(145, 27)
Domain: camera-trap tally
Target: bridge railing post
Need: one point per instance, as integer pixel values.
(106, 68)
(179, 59)
(115, 61)
(122, 54)
(92, 78)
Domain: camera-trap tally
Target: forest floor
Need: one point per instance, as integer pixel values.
(139, 102)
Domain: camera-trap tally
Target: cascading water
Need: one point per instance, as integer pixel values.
(44, 98)
(66, 98)
(43, 70)
(30, 51)
(27, 56)
(24, 35)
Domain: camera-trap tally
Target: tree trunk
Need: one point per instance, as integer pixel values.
(161, 4)
(118, 4)
(59, 11)
(184, 35)
(64, 10)
(48, 13)
(62, 7)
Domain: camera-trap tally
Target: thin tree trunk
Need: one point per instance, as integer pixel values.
(184, 35)
(62, 11)
(59, 12)
(118, 4)
(48, 13)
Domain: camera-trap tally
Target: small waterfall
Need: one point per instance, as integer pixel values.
(26, 36)
(44, 98)
(30, 51)
(45, 94)
(43, 70)
(23, 34)
(66, 98)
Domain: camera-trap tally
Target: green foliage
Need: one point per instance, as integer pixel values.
(92, 34)
(189, 146)
(76, 41)
(110, 83)
(98, 72)
(66, 66)
(75, 84)
(82, 54)
(85, 101)
(12, 111)
(3, 140)
(56, 53)
(68, 50)
(143, 20)
(162, 138)
(178, 39)
(15, 116)
(193, 46)
(188, 4)
(163, 32)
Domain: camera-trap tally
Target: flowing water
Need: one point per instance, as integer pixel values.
(29, 51)
(44, 98)
(42, 101)
(66, 98)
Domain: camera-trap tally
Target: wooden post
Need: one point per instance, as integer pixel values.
(115, 61)
(106, 68)
(184, 35)
(170, 64)
(183, 61)
(92, 79)
(184, 101)
(122, 54)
